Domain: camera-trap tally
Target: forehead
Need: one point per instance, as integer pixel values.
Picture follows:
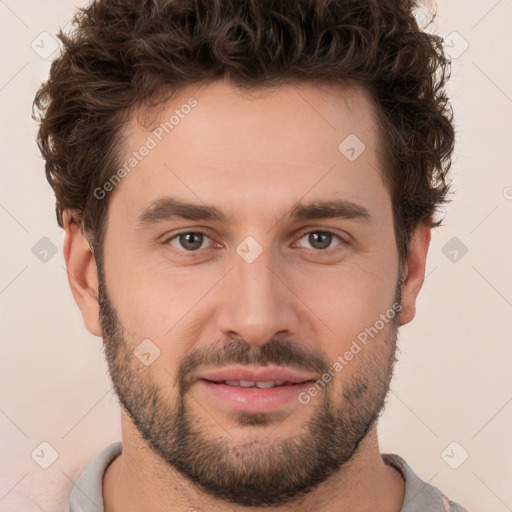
(258, 151)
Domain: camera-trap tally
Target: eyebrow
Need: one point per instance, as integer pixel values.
(169, 208)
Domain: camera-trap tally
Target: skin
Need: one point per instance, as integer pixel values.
(253, 157)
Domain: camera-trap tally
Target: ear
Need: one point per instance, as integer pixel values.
(82, 274)
(414, 271)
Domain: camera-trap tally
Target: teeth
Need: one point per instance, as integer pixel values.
(251, 384)
(263, 385)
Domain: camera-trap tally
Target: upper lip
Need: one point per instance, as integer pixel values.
(261, 374)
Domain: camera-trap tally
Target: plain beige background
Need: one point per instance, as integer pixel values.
(451, 396)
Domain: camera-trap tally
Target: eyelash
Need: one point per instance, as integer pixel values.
(201, 232)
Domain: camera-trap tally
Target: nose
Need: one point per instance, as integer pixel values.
(259, 303)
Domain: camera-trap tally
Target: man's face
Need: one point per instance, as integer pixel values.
(264, 288)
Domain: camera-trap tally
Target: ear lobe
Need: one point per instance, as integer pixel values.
(82, 274)
(414, 272)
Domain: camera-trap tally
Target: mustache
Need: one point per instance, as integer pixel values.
(284, 353)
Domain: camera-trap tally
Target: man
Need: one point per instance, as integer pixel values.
(248, 190)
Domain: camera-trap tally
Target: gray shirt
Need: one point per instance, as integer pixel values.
(87, 493)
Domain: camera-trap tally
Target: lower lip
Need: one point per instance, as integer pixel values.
(254, 399)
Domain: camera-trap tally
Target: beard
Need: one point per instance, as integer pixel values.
(260, 470)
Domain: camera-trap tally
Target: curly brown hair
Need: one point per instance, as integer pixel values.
(122, 54)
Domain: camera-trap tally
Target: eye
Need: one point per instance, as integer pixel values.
(321, 240)
(189, 241)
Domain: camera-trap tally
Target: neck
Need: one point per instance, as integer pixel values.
(140, 480)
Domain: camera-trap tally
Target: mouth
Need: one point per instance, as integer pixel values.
(261, 377)
(256, 384)
(252, 396)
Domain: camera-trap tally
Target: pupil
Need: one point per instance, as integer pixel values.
(322, 238)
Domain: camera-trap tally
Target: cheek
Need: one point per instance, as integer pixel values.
(351, 300)
(154, 301)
